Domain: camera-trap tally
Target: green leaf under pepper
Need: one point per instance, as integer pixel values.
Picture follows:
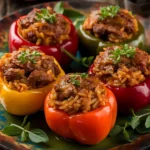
(59, 8)
(11, 130)
(147, 122)
(133, 125)
(135, 122)
(35, 135)
(24, 136)
(116, 130)
(76, 16)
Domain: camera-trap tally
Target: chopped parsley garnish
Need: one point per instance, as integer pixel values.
(46, 16)
(84, 75)
(123, 50)
(26, 56)
(109, 11)
(75, 79)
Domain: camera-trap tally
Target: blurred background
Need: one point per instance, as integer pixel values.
(141, 7)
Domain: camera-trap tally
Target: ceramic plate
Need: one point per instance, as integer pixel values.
(37, 120)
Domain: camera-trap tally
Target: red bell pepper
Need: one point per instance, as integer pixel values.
(86, 128)
(135, 97)
(71, 45)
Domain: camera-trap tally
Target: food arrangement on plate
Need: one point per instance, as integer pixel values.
(81, 106)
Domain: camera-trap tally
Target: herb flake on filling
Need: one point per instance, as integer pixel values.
(26, 56)
(109, 11)
(123, 50)
(45, 15)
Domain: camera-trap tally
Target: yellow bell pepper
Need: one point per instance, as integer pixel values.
(26, 102)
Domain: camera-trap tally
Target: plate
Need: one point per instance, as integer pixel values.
(37, 120)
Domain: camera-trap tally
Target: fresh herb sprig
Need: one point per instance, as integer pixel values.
(75, 78)
(26, 56)
(137, 123)
(108, 11)
(46, 16)
(35, 135)
(123, 50)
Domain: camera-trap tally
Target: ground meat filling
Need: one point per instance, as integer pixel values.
(47, 28)
(28, 69)
(127, 72)
(115, 29)
(77, 93)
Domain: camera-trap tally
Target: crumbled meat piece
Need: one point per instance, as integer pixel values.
(113, 34)
(25, 22)
(32, 36)
(12, 74)
(49, 64)
(39, 78)
(66, 91)
(89, 83)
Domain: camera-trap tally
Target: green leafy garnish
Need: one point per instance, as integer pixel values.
(147, 122)
(84, 75)
(75, 78)
(26, 56)
(46, 16)
(136, 120)
(123, 50)
(116, 130)
(137, 123)
(59, 8)
(108, 11)
(35, 135)
(119, 130)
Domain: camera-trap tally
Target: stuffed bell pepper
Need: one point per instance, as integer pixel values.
(110, 25)
(26, 76)
(81, 108)
(47, 30)
(126, 71)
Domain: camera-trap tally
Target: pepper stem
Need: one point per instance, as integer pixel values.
(85, 61)
(70, 55)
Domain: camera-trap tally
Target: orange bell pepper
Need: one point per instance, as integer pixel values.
(86, 128)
